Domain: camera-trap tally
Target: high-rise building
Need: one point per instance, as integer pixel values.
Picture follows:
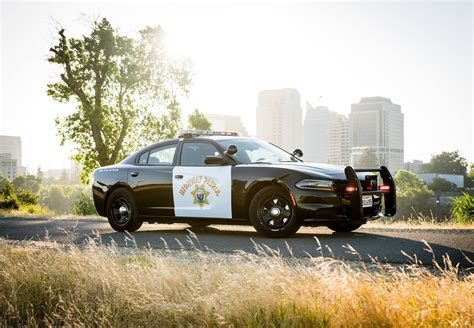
(10, 157)
(316, 134)
(326, 136)
(376, 124)
(11, 145)
(279, 118)
(8, 166)
(227, 123)
(338, 139)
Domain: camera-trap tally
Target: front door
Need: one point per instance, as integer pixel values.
(200, 190)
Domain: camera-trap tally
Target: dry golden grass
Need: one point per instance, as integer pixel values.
(96, 285)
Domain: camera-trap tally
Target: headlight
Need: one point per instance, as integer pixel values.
(315, 184)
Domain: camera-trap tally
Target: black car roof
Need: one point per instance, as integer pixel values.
(131, 159)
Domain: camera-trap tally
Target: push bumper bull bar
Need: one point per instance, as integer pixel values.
(357, 211)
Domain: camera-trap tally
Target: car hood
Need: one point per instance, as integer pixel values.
(320, 170)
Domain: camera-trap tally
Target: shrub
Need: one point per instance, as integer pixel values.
(413, 195)
(9, 203)
(27, 197)
(59, 198)
(37, 210)
(84, 205)
(463, 208)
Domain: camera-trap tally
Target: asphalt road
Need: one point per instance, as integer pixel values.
(385, 244)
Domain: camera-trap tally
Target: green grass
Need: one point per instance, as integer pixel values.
(96, 285)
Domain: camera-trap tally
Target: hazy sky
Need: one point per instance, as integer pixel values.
(417, 54)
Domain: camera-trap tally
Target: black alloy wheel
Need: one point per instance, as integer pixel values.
(122, 212)
(272, 213)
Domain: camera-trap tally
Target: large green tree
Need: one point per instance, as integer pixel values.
(198, 121)
(125, 88)
(449, 162)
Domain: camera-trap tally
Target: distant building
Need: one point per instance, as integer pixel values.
(227, 123)
(457, 179)
(11, 157)
(279, 118)
(338, 139)
(316, 134)
(377, 123)
(11, 145)
(67, 175)
(326, 136)
(8, 166)
(416, 166)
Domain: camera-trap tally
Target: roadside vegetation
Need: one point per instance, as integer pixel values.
(96, 285)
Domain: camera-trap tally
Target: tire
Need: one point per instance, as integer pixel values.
(282, 222)
(122, 211)
(344, 227)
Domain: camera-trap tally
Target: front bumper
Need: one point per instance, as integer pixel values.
(323, 208)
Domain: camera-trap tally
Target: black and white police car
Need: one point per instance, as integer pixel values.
(208, 177)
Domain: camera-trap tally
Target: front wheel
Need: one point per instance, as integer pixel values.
(273, 214)
(122, 211)
(344, 227)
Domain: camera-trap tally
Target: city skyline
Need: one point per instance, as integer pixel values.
(342, 52)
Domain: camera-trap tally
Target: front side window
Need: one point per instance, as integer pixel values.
(194, 153)
(251, 151)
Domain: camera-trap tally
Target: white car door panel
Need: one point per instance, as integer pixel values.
(202, 191)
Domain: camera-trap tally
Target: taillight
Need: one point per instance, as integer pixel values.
(351, 189)
(384, 188)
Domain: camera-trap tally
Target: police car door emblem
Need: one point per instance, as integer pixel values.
(200, 195)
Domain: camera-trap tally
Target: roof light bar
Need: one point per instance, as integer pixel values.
(196, 133)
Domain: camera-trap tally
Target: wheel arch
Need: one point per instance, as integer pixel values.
(112, 189)
(259, 185)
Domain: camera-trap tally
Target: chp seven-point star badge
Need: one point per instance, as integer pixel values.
(200, 195)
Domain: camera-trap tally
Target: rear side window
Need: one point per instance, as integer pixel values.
(194, 153)
(158, 156)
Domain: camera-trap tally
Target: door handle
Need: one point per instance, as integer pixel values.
(178, 176)
(134, 174)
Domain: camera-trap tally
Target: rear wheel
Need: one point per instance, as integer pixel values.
(122, 211)
(344, 227)
(272, 213)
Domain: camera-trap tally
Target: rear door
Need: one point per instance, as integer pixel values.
(200, 190)
(151, 180)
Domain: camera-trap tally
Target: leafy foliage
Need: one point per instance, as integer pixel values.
(198, 121)
(463, 208)
(413, 195)
(3, 182)
(84, 205)
(126, 91)
(26, 197)
(9, 201)
(59, 198)
(449, 162)
(27, 183)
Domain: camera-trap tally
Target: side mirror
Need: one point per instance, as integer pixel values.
(214, 160)
(298, 153)
(231, 150)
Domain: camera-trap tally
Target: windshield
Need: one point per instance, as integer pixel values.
(251, 151)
